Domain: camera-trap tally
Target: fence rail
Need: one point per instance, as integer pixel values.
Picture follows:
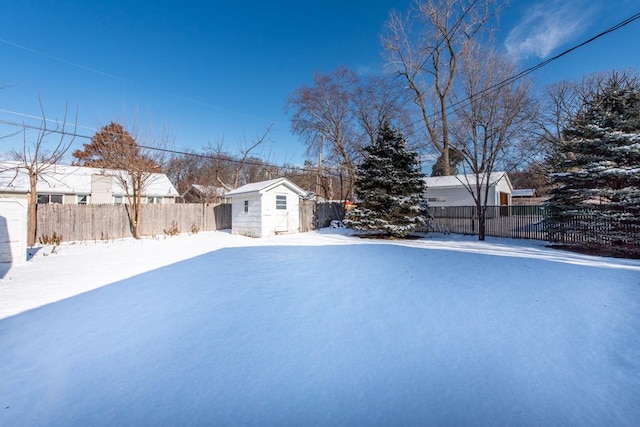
(102, 222)
(521, 222)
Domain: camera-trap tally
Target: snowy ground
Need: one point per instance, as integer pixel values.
(319, 329)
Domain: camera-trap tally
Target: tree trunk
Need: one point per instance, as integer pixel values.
(482, 216)
(136, 214)
(32, 223)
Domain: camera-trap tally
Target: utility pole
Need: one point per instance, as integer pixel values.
(319, 168)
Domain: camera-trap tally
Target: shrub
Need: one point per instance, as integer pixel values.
(173, 230)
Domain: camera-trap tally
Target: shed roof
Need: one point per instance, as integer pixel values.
(464, 180)
(62, 179)
(264, 186)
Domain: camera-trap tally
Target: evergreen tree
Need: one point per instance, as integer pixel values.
(595, 201)
(390, 188)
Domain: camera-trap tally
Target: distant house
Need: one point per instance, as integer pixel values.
(81, 185)
(266, 208)
(204, 194)
(454, 190)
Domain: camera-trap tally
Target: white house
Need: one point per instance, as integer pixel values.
(454, 190)
(81, 185)
(266, 208)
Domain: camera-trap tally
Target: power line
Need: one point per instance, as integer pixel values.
(528, 71)
(167, 150)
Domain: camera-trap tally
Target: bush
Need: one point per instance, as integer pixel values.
(173, 230)
(54, 239)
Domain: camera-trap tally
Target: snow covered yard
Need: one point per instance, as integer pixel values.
(319, 329)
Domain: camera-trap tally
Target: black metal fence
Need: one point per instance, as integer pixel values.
(521, 222)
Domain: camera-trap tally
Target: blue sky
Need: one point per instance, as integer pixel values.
(211, 71)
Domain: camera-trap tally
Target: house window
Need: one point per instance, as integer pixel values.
(44, 199)
(117, 200)
(81, 199)
(436, 199)
(154, 200)
(281, 202)
(246, 206)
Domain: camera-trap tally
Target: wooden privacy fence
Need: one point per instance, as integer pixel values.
(103, 222)
(314, 215)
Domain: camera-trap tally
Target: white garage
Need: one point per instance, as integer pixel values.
(454, 190)
(13, 230)
(266, 208)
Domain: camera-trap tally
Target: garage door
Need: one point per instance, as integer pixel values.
(13, 231)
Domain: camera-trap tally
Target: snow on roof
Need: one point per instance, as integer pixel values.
(262, 186)
(208, 190)
(462, 180)
(62, 179)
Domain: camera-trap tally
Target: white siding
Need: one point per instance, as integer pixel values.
(459, 195)
(263, 219)
(275, 221)
(13, 230)
(247, 224)
(446, 196)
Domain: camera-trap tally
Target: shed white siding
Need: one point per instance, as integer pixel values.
(273, 208)
(247, 223)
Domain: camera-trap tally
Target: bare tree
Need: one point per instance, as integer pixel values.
(37, 157)
(245, 151)
(378, 100)
(426, 48)
(323, 116)
(339, 114)
(132, 166)
(493, 119)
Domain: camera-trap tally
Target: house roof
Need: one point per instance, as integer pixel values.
(264, 186)
(524, 192)
(207, 190)
(465, 180)
(62, 179)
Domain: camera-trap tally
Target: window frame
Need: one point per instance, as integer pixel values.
(59, 199)
(281, 202)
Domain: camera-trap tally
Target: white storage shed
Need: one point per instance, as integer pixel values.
(265, 208)
(454, 190)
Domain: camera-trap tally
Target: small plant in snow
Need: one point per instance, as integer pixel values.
(173, 230)
(194, 228)
(54, 239)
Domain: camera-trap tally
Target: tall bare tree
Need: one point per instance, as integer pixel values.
(339, 114)
(323, 116)
(116, 150)
(38, 156)
(426, 47)
(377, 100)
(494, 119)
